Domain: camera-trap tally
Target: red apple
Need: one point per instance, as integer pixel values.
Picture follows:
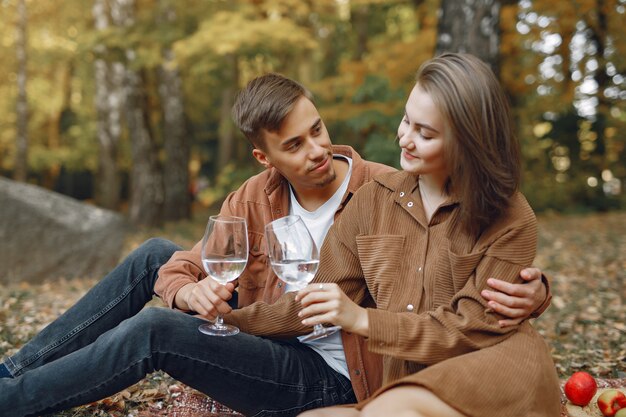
(610, 401)
(580, 388)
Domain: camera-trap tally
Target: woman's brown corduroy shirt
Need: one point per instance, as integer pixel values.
(430, 323)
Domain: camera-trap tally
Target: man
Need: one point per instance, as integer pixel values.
(107, 342)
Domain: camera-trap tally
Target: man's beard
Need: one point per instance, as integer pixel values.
(326, 181)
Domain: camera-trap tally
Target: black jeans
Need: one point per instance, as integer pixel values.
(107, 342)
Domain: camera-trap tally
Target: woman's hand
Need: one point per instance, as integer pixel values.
(327, 303)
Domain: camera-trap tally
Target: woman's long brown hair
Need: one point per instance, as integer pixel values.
(482, 153)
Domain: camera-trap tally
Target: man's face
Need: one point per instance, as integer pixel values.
(301, 149)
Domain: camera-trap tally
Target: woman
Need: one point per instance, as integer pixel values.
(437, 231)
(425, 241)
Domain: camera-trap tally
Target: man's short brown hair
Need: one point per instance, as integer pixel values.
(264, 103)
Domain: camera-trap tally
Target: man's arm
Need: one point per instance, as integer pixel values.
(519, 301)
(182, 284)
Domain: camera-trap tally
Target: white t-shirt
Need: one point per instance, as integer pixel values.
(318, 222)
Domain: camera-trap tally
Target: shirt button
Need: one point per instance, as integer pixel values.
(381, 344)
(401, 193)
(280, 285)
(357, 372)
(419, 269)
(410, 307)
(410, 204)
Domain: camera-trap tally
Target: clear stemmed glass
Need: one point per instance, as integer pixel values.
(295, 258)
(224, 257)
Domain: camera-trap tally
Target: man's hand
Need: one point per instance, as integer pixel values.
(326, 303)
(207, 297)
(516, 301)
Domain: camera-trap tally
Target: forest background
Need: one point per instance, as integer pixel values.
(126, 103)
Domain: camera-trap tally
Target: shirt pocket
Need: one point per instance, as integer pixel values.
(462, 266)
(381, 258)
(257, 268)
(456, 262)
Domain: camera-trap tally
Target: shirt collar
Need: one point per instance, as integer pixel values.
(406, 183)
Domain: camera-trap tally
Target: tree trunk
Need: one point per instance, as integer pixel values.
(54, 124)
(21, 156)
(109, 99)
(567, 85)
(226, 128)
(598, 35)
(177, 200)
(146, 181)
(470, 26)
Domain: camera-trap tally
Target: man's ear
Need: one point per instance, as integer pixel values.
(261, 157)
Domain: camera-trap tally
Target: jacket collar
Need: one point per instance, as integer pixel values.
(360, 173)
(408, 184)
(399, 181)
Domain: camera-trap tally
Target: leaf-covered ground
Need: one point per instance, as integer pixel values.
(586, 325)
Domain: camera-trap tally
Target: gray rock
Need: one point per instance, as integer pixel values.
(45, 235)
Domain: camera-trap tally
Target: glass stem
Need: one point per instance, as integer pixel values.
(219, 322)
(318, 329)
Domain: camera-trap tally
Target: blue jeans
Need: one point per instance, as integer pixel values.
(108, 341)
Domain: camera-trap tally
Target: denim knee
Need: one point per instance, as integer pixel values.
(151, 321)
(145, 330)
(155, 251)
(156, 319)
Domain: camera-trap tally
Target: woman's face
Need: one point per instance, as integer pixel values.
(421, 135)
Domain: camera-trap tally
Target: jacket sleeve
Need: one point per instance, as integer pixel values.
(465, 324)
(184, 267)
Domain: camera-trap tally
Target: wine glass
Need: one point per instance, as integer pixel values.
(224, 257)
(295, 258)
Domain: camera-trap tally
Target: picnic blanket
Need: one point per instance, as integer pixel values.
(591, 410)
(190, 403)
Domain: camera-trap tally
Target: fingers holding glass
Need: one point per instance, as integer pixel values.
(207, 298)
(295, 259)
(224, 258)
